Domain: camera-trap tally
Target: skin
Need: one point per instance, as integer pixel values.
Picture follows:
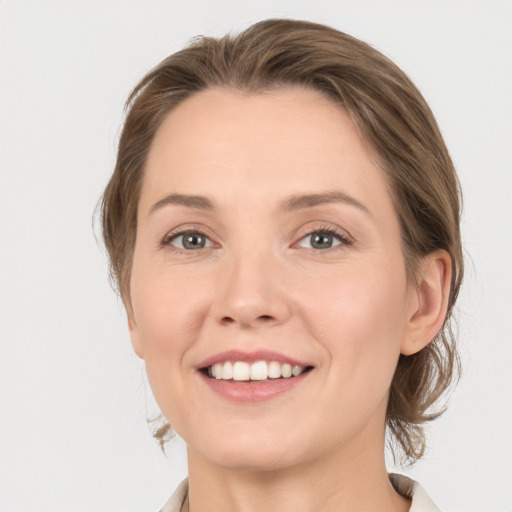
(348, 310)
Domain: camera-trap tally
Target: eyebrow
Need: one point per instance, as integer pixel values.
(300, 202)
(196, 202)
(292, 203)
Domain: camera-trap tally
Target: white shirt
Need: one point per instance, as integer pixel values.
(404, 485)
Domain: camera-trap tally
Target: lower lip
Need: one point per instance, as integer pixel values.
(252, 391)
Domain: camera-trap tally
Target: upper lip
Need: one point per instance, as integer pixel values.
(250, 357)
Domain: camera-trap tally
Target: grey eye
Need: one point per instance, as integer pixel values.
(190, 241)
(320, 240)
(194, 241)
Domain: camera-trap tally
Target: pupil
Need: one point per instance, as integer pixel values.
(193, 241)
(322, 241)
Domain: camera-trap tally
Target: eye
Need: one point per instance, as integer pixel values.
(323, 239)
(189, 241)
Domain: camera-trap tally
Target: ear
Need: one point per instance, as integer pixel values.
(429, 301)
(135, 333)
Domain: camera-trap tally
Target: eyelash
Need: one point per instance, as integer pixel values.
(323, 230)
(170, 237)
(342, 237)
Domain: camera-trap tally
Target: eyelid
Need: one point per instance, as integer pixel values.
(186, 229)
(343, 236)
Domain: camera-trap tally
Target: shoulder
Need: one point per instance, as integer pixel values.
(175, 502)
(411, 489)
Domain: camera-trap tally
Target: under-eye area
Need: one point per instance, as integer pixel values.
(259, 371)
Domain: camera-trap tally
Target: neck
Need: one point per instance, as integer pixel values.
(343, 480)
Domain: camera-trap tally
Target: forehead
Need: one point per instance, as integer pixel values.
(291, 140)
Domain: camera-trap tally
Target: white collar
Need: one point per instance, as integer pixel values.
(404, 485)
(175, 502)
(411, 489)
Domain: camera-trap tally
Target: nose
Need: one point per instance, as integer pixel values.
(251, 293)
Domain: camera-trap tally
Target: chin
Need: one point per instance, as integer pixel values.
(257, 459)
(248, 450)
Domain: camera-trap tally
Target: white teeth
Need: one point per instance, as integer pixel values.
(260, 370)
(286, 370)
(241, 371)
(227, 371)
(297, 370)
(274, 370)
(217, 371)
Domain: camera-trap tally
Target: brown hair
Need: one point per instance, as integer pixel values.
(391, 114)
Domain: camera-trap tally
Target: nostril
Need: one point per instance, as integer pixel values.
(262, 319)
(265, 318)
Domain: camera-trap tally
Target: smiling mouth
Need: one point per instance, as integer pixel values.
(241, 371)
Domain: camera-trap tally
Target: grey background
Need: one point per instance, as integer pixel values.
(73, 397)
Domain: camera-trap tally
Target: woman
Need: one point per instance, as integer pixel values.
(283, 225)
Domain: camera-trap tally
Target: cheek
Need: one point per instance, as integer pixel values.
(167, 310)
(167, 317)
(360, 320)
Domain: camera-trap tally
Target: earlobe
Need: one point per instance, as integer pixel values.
(428, 309)
(135, 334)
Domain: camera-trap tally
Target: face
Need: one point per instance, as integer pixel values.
(267, 243)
